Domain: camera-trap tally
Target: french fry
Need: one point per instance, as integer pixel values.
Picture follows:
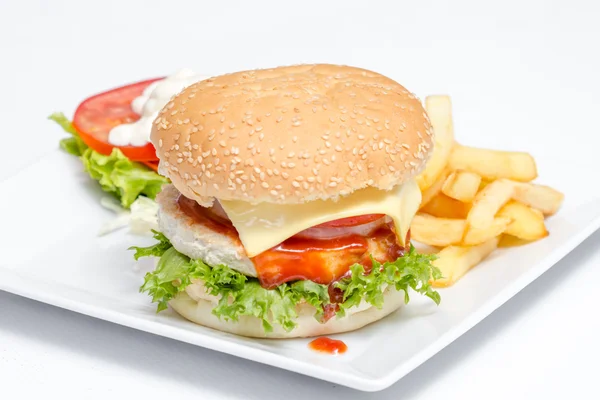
(462, 186)
(493, 164)
(437, 231)
(445, 207)
(511, 241)
(439, 110)
(455, 261)
(540, 197)
(475, 200)
(474, 235)
(527, 223)
(434, 189)
(487, 203)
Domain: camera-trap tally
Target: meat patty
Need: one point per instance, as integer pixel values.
(196, 240)
(202, 239)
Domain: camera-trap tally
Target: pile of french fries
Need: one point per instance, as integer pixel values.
(475, 200)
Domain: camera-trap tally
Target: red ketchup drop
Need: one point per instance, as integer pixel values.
(329, 346)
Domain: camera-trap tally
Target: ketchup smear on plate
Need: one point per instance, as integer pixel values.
(329, 346)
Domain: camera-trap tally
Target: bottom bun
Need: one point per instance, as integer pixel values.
(200, 312)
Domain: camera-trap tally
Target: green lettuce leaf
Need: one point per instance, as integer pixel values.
(118, 175)
(156, 250)
(72, 145)
(241, 295)
(412, 271)
(121, 177)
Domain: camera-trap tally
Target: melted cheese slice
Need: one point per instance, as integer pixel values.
(264, 225)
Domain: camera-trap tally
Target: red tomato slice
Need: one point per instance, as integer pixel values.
(151, 164)
(351, 221)
(97, 115)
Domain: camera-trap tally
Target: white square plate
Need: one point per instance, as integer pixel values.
(51, 253)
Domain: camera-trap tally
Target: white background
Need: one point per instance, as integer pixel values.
(529, 66)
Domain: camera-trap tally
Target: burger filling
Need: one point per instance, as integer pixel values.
(336, 266)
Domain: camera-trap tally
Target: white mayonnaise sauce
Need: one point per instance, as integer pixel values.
(154, 98)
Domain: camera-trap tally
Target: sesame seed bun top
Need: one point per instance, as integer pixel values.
(291, 135)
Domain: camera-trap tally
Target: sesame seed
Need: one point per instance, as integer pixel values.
(265, 185)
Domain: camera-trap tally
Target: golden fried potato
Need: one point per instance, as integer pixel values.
(435, 231)
(445, 207)
(439, 110)
(511, 241)
(475, 235)
(434, 189)
(487, 203)
(493, 164)
(462, 186)
(540, 197)
(455, 261)
(527, 223)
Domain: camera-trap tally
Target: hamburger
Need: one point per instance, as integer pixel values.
(291, 197)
